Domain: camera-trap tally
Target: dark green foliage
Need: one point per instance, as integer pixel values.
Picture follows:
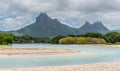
(55, 40)
(112, 37)
(22, 39)
(41, 39)
(6, 39)
(71, 35)
(117, 43)
(29, 39)
(92, 34)
(88, 38)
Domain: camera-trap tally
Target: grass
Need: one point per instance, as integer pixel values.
(116, 43)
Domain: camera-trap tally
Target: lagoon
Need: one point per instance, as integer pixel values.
(89, 54)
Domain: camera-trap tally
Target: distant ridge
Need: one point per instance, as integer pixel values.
(95, 27)
(45, 26)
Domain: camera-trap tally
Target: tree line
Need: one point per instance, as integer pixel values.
(88, 38)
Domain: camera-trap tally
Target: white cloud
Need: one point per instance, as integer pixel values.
(15, 14)
(10, 23)
(15, 23)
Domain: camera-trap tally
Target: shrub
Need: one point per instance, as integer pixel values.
(66, 40)
(55, 40)
(112, 37)
(96, 41)
(117, 43)
(6, 39)
(81, 40)
(93, 34)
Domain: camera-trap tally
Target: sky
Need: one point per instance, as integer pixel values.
(15, 14)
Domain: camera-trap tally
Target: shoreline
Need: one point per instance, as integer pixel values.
(6, 50)
(113, 46)
(108, 46)
(106, 66)
(102, 45)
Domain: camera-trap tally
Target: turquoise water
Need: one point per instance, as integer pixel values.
(95, 54)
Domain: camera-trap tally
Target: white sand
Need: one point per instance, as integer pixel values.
(103, 45)
(11, 51)
(110, 66)
(113, 46)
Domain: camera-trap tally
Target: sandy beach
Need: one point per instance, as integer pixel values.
(11, 51)
(109, 66)
(112, 46)
(104, 45)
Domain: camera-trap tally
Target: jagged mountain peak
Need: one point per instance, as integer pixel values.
(42, 17)
(87, 23)
(95, 27)
(98, 23)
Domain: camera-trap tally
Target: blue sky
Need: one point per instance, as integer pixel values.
(15, 14)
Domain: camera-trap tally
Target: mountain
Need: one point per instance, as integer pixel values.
(45, 26)
(85, 28)
(95, 27)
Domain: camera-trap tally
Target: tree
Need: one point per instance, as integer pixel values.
(66, 40)
(96, 40)
(6, 39)
(55, 40)
(112, 37)
(92, 34)
(81, 40)
(117, 38)
(41, 39)
(26, 37)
